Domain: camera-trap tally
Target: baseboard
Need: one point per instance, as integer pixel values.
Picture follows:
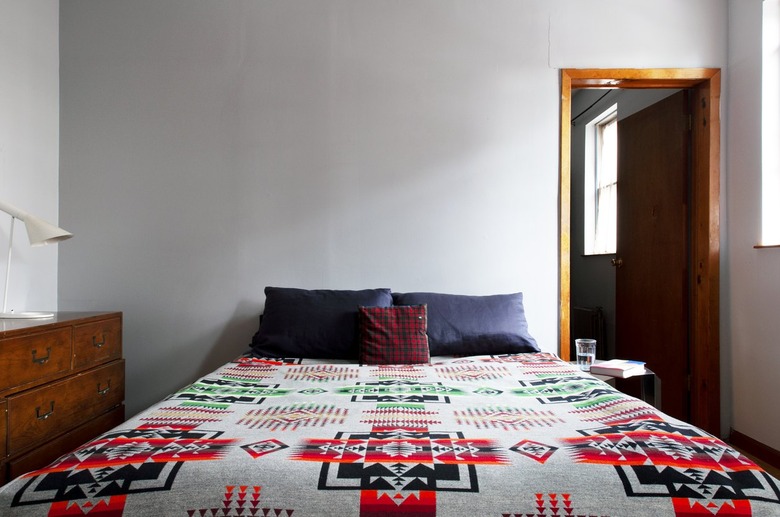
(754, 447)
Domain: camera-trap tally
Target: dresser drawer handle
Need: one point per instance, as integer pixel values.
(44, 416)
(104, 390)
(99, 344)
(41, 360)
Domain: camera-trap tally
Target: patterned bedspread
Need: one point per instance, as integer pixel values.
(517, 435)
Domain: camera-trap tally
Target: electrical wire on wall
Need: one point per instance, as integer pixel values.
(581, 113)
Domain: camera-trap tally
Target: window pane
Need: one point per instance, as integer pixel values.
(606, 221)
(606, 189)
(608, 166)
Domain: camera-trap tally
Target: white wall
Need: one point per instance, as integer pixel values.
(29, 145)
(751, 283)
(211, 148)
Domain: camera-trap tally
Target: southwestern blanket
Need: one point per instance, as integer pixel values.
(514, 435)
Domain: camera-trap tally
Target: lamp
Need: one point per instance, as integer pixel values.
(40, 233)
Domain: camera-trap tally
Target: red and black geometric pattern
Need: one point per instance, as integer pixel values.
(400, 469)
(551, 505)
(321, 373)
(242, 500)
(472, 372)
(187, 415)
(506, 418)
(290, 418)
(399, 459)
(537, 451)
(397, 371)
(400, 415)
(121, 463)
(654, 458)
(264, 447)
(251, 369)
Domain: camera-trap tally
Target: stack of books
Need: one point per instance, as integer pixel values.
(618, 368)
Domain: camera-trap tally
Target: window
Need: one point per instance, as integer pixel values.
(601, 183)
(770, 125)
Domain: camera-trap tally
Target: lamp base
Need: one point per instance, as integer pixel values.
(26, 315)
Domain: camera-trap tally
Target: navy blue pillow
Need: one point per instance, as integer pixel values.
(473, 325)
(320, 323)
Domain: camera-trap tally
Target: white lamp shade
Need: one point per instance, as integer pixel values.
(40, 232)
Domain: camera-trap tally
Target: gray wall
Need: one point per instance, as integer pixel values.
(211, 148)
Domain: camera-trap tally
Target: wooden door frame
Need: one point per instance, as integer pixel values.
(705, 218)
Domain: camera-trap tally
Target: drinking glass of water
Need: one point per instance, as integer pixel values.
(586, 353)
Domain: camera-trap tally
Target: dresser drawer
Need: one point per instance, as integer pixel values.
(53, 449)
(35, 357)
(97, 342)
(37, 415)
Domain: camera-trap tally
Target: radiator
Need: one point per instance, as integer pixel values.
(589, 323)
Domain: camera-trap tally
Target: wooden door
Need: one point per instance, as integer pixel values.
(652, 280)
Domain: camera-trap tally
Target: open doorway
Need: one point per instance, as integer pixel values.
(704, 85)
(597, 116)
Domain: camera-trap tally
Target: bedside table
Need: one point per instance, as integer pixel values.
(62, 382)
(649, 385)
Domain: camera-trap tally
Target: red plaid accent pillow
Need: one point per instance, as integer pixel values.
(393, 335)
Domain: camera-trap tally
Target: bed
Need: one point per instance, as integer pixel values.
(411, 426)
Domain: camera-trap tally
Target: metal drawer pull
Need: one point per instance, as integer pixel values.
(44, 416)
(104, 390)
(41, 360)
(98, 344)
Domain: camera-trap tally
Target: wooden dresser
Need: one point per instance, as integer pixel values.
(62, 382)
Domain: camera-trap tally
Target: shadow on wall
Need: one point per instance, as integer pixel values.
(235, 337)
